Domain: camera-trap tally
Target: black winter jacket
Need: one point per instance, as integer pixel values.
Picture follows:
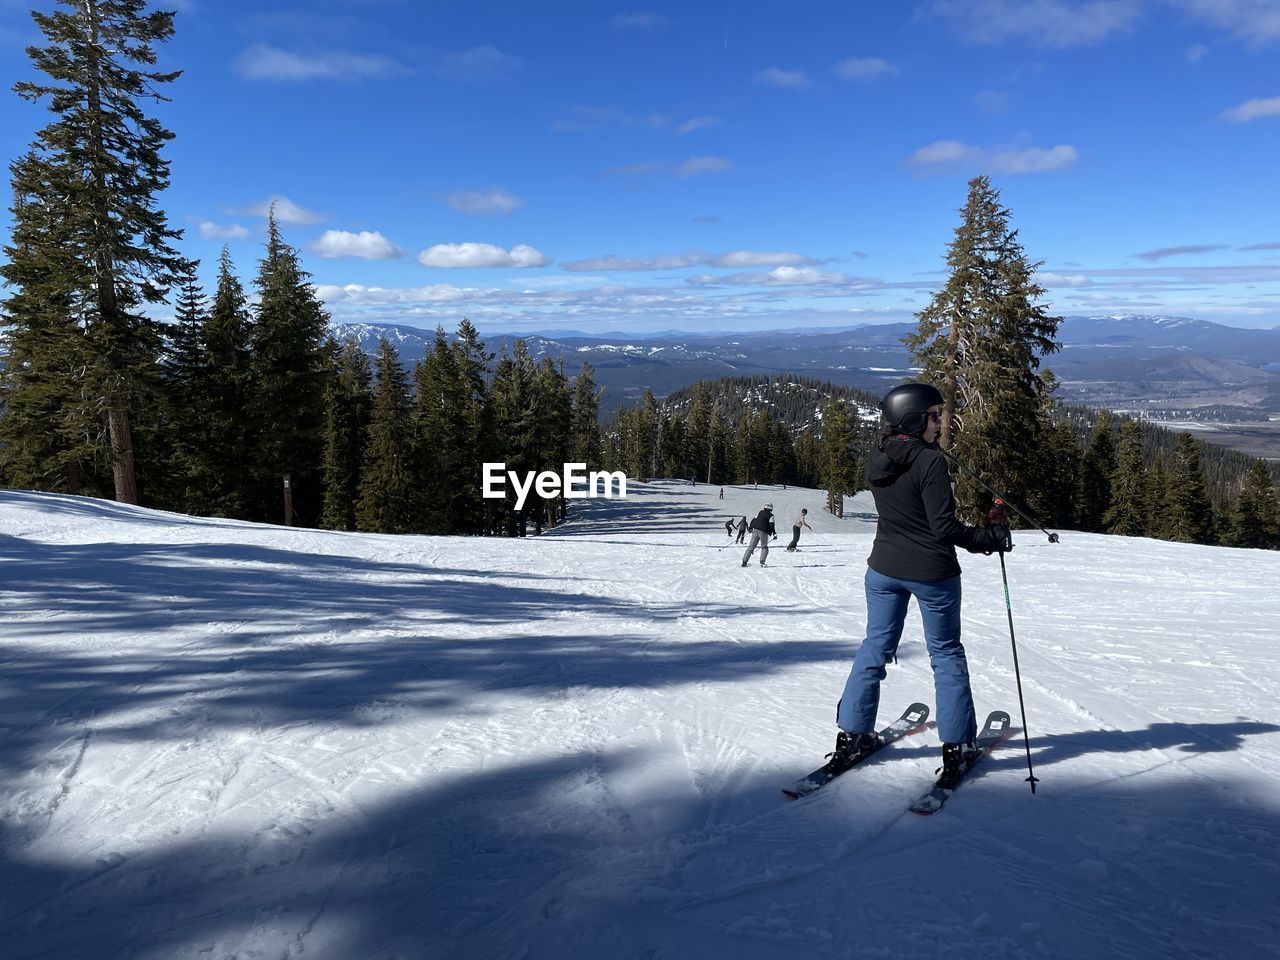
(917, 532)
(764, 522)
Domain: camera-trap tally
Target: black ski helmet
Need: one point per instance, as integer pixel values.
(904, 407)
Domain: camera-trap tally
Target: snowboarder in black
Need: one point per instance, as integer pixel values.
(729, 525)
(742, 529)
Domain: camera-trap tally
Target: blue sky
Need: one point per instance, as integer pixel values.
(721, 165)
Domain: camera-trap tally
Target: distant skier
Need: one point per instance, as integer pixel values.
(742, 530)
(914, 556)
(761, 531)
(722, 493)
(795, 531)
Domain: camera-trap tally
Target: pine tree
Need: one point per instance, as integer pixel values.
(1157, 500)
(472, 417)
(697, 436)
(1096, 469)
(348, 411)
(841, 474)
(50, 431)
(435, 445)
(226, 391)
(387, 490)
(980, 341)
(1127, 514)
(1255, 521)
(1188, 517)
(1062, 482)
(514, 429)
(289, 371)
(184, 425)
(584, 432)
(98, 163)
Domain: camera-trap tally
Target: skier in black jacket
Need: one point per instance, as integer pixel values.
(914, 555)
(761, 531)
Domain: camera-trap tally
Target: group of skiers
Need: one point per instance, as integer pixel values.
(762, 531)
(913, 555)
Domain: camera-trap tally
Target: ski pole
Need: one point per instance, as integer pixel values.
(1053, 537)
(1026, 737)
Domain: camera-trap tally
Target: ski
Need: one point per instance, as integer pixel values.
(913, 720)
(994, 732)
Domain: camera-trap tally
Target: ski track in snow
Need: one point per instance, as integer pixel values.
(228, 741)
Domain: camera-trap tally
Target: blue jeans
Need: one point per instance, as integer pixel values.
(939, 602)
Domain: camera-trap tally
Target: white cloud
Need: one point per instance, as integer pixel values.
(461, 255)
(367, 244)
(1061, 280)
(952, 156)
(862, 68)
(213, 231)
(264, 62)
(359, 293)
(1252, 110)
(494, 201)
(1048, 23)
(758, 258)
(286, 210)
(992, 101)
(477, 65)
(1257, 21)
(786, 79)
(691, 258)
(639, 21)
(1197, 53)
(698, 123)
(696, 165)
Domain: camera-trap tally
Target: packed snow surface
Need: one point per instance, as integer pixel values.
(224, 740)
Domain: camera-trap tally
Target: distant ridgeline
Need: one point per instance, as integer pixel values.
(1101, 472)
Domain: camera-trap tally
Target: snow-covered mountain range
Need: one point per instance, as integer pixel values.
(1117, 361)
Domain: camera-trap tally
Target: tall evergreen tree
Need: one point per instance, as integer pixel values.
(1127, 514)
(584, 432)
(104, 151)
(514, 428)
(1188, 516)
(473, 422)
(435, 444)
(1255, 521)
(227, 394)
(50, 430)
(387, 489)
(289, 371)
(980, 341)
(1096, 469)
(348, 411)
(183, 424)
(841, 474)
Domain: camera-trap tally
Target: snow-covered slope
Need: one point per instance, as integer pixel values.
(222, 740)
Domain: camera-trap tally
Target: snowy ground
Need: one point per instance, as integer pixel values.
(221, 740)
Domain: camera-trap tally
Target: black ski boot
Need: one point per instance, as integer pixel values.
(850, 748)
(954, 762)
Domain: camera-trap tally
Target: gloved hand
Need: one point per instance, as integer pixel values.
(997, 519)
(993, 539)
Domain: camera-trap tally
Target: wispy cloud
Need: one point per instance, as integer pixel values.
(696, 165)
(1050, 279)
(286, 210)
(734, 259)
(367, 245)
(863, 68)
(1197, 53)
(992, 101)
(1153, 255)
(1255, 21)
(1252, 110)
(492, 202)
(1261, 246)
(638, 22)
(584, 119)
(483, 64)
(214, 231)
(1046, 23)
(952, 156)
(458, 255)
(264, 62)
(785, 79)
